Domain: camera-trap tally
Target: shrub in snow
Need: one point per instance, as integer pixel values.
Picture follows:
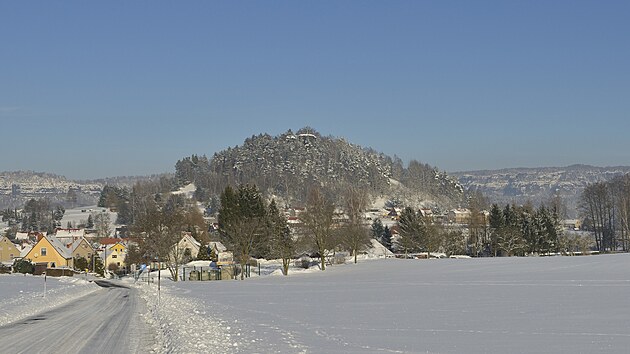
(23, 266)
(304, 262)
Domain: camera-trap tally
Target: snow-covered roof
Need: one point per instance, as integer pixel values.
(25, 250)
(21, 236)
(187, 190)
(378, 250)
(188, 238)
(218, 246)
(111, 240)
(306, 135)
(65, 233)
(571, 221)
(64, 251)
(77, 243)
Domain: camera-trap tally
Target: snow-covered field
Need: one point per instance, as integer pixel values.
(501, 305)
(23, 295)
(80, 215)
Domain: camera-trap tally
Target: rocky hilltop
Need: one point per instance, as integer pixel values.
(289, 164)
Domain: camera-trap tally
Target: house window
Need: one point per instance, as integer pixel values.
(114, 256)
(42, 251)
(53, 265)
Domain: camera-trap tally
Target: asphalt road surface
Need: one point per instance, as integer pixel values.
(106, 321)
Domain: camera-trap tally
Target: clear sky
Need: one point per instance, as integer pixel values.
(94, 89)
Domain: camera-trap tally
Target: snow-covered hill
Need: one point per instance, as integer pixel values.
(289, 164)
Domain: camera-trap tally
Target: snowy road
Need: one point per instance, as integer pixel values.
(105, 321)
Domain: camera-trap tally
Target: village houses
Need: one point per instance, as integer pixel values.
(8, 251)
(49, 251)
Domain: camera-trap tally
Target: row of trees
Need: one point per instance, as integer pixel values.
(159, 224)
(605, 207)
(36, 215)
(516, 230)
(508, 231)
(253, 228)
(156, 219)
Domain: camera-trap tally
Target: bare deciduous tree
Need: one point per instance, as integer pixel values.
(355, 235)
(158, 229)
(598, 208)
(101, 224)
(318, 223)
(282, 242)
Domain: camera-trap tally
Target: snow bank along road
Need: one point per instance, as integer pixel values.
(103, 321)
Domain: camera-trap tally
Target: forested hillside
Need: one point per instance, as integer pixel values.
(287, 165)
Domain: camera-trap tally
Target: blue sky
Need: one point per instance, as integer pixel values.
(96, 89)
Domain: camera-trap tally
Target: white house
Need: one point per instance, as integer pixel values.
(189, 245)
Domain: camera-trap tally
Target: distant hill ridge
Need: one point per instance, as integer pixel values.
(574, 167)
(537, 184)
(288, 164)
(17, 187)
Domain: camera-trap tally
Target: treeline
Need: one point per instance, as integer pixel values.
(519, 230)
(249, 224)
(509, 231)
(253, 228)
(605, 208)
(36, 215)
(128, 202)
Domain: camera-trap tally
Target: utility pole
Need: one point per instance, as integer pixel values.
(105, 263)
(159, 279)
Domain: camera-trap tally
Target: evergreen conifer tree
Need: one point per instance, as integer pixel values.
(204, 253)
(386, 238)
(377, 229)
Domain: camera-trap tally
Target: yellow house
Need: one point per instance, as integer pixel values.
(114, 257)
(82, 248)
(459, 216)
(51, 251)
(8, 251)
(118, 247)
